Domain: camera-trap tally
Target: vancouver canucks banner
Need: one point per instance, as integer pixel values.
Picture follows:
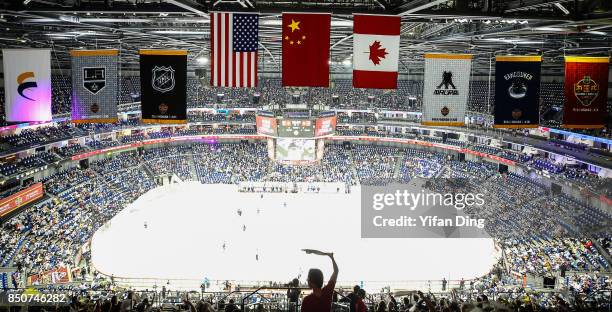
(94, 85)
(446, 88)
(586, 92)
(517, 91)
(163, 83)
(27, 84)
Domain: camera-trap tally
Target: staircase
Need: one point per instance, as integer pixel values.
(398, 167)
(192, 167)
(148, 171)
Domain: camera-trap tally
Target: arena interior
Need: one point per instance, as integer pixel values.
(174, 155)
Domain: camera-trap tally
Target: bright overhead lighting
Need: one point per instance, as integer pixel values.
(115, 20)
(595, 32)
(561, 8)
(278, 22)
(556, 29)
(179, 32)
(512, 41)
(202, 60)
(60, 35)
(347, 62)
(342, 23)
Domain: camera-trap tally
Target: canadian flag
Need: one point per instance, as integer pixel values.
(376, 40)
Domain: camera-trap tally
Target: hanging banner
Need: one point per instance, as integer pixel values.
(586, 92)
(94, 85)
(27, 84)
(517, 91)
(446, 88)
(163, 86)
(305, 47)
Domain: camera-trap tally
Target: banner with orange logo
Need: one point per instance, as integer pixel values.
(27, 84)
(586, 92)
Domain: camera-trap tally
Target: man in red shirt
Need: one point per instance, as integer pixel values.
(359, 304)
(321, 297)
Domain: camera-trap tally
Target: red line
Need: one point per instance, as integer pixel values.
(226, 49)
(255, 69)
(249, 70)
(241, 69)
(220, 51)
(233, 68)
(212, 49)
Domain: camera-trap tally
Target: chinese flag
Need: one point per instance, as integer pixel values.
(306, 49)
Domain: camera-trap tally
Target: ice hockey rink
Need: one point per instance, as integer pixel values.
(193, 231)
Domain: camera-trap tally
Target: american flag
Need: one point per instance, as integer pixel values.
(234, 40)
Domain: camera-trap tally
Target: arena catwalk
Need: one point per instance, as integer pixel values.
(192, 232)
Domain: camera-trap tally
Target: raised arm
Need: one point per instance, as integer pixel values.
(334, 275)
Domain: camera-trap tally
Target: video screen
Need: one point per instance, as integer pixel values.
(295, 150)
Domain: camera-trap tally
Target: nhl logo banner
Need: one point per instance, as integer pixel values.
(27, 84)
(94, 85)
(517, 91)
(446, 88)
(163, 83)
(586, 92)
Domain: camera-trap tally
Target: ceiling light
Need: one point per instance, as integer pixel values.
(202, 60)
(179, 32)
(561, 8)
(556, 29)
(115, 20)
(347, 62)
(278, 22)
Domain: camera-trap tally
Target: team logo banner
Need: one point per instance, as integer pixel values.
(586, 92)
(446, 88)
(27, 84)
(517, 91)
(163, 83)
(94, 85)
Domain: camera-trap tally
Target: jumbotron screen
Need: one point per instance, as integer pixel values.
(296, 128)
(295, 150)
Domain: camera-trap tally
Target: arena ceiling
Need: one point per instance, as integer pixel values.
(481, 27)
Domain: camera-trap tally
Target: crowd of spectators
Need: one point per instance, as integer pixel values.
(540, 233)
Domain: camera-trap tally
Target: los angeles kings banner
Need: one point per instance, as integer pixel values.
(94, 85)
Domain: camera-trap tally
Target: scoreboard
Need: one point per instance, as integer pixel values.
(296, 128)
